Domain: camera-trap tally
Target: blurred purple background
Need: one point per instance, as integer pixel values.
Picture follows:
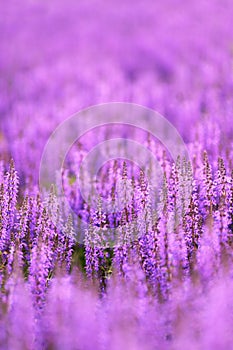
(58, 57)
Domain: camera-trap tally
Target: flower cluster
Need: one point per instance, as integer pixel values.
(144, 258)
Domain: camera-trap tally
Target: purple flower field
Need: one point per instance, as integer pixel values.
(135, 250)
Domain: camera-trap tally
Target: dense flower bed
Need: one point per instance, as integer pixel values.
(156, 274)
